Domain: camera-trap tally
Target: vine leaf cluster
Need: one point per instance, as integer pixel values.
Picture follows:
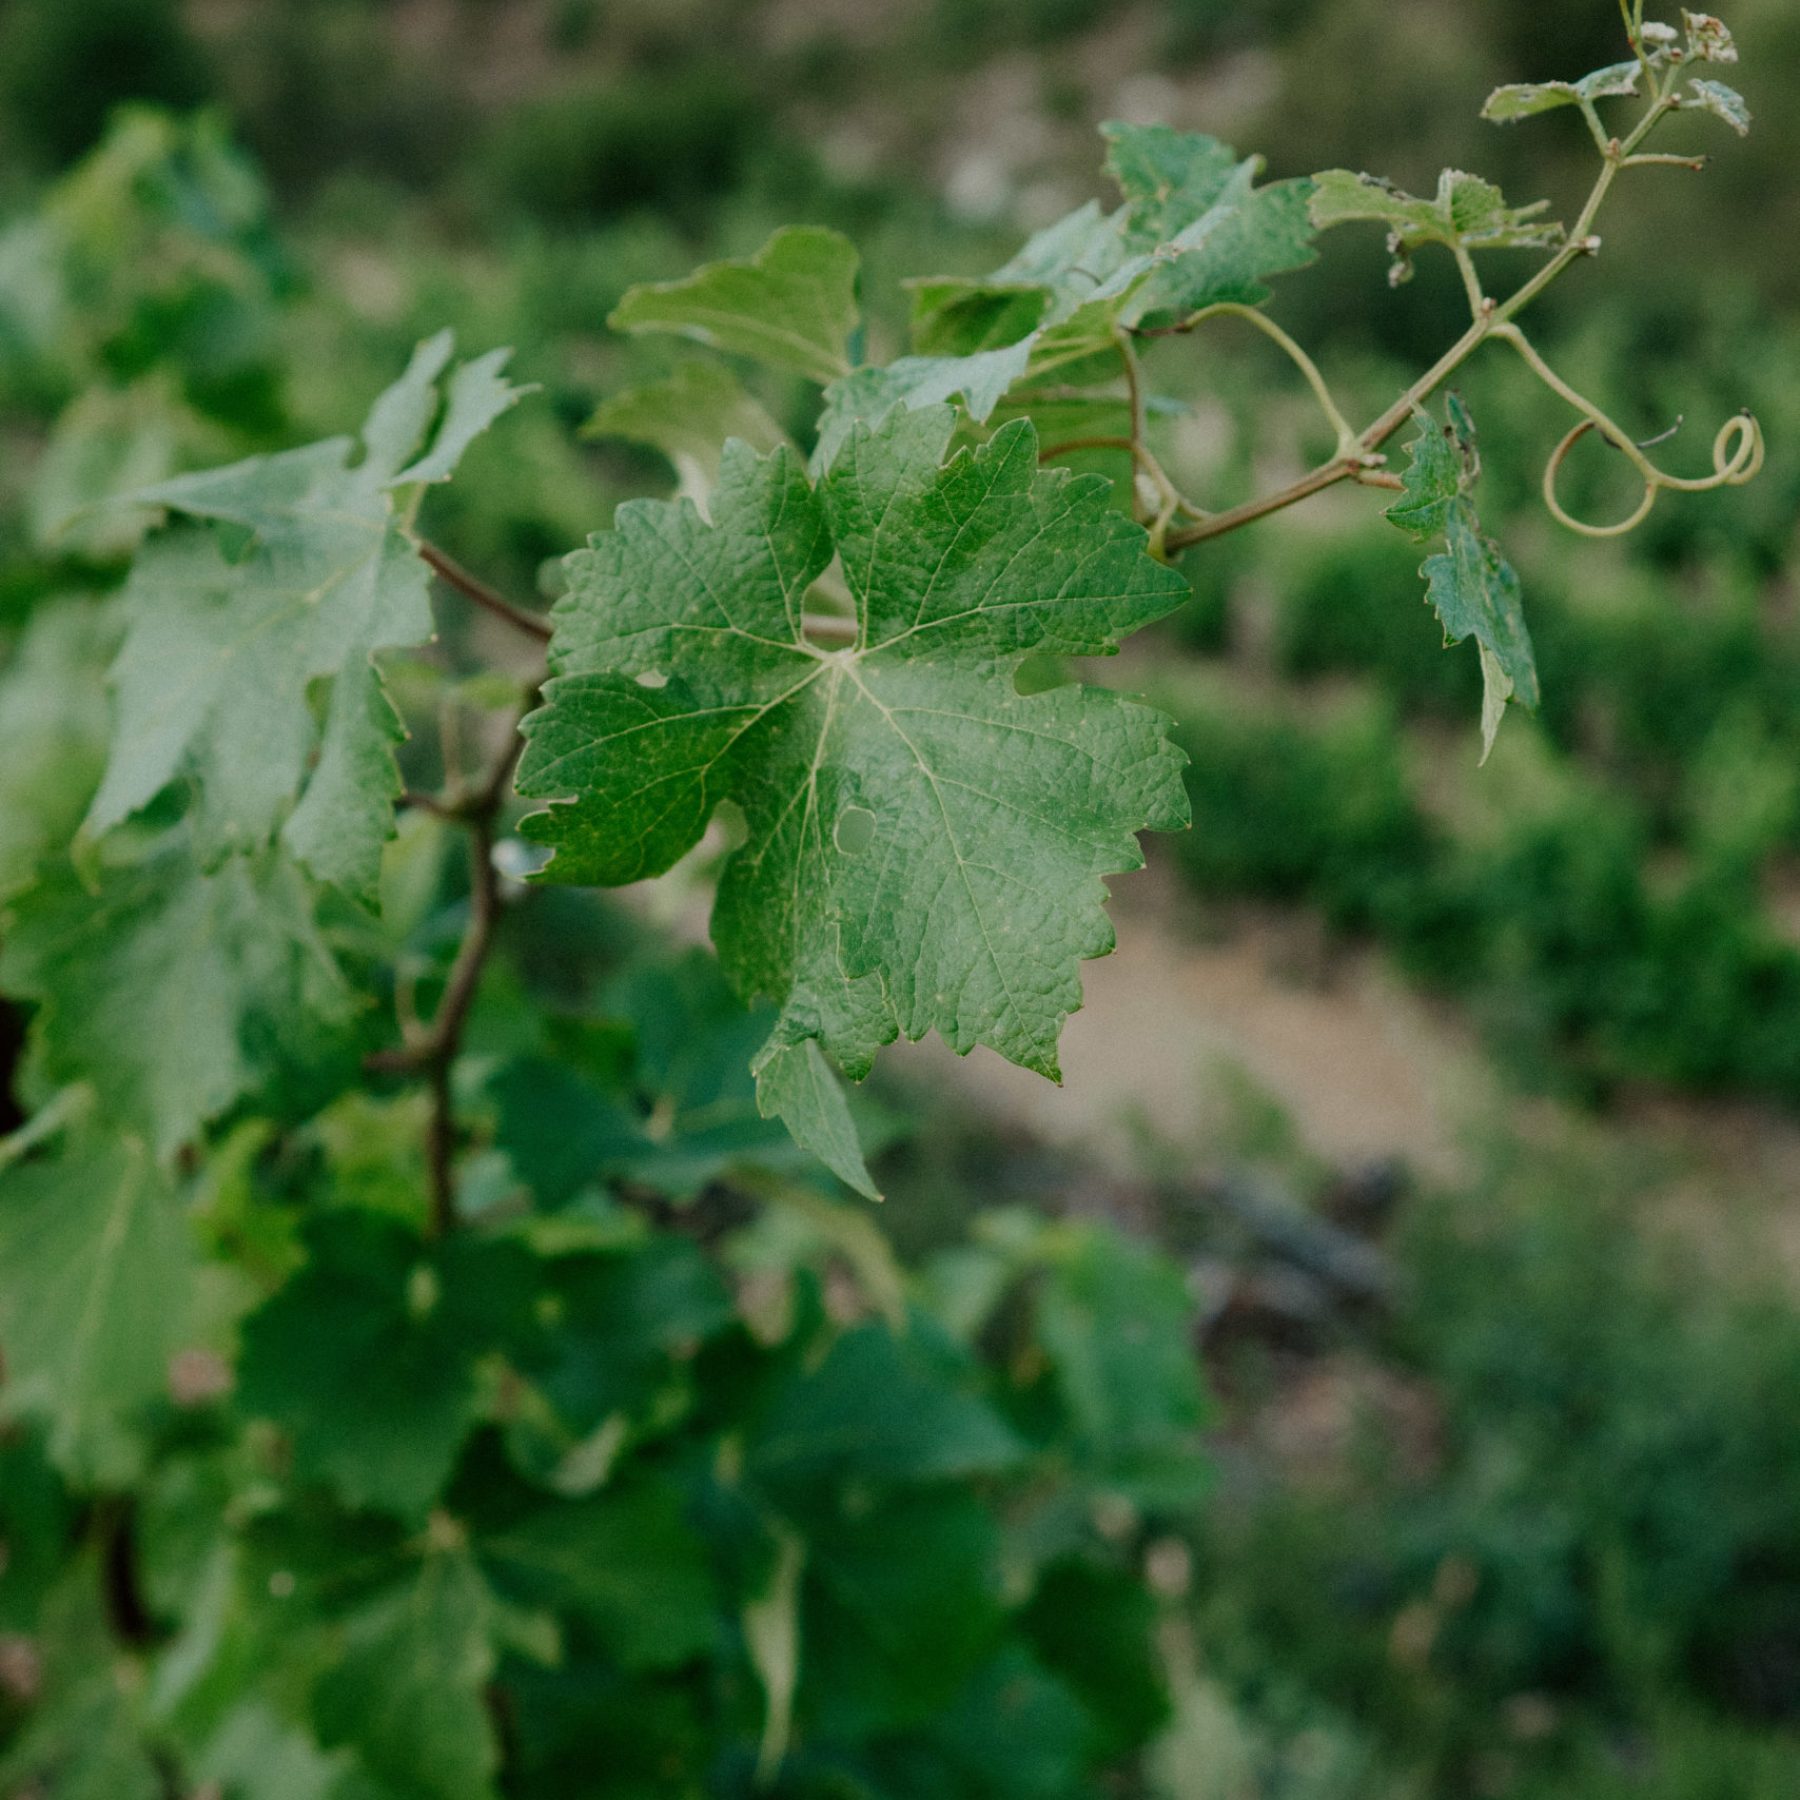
(833, 641)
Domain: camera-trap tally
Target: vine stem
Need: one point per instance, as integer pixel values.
(431, 1051)
(1354, 457)
(453, 574)
(1344, 466)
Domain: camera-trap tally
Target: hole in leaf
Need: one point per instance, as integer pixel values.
(652, 678)
(855, 830)
(1039, 673)
(732, 827)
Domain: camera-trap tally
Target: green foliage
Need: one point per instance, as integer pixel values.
(1471, 586)
(884, 784)
(431, 1372)
(1596, 1535)
(326, 580)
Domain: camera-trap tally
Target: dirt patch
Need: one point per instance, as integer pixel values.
(1366, 1070)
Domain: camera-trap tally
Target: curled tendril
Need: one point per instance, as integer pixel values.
(1738, 452)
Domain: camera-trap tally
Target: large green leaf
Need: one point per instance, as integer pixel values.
(96, 1269)
(628, 1563)
(367, 1357)
(408, 1691)
(173, 990)
(926, 845)
(228, 639)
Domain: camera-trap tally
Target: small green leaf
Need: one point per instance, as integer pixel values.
(688, 416)
(1475, 592)
(1438, 472)
(795, 1084)
(1524, 100)
(980, 381)
(409, 1688)
(99, 1266)
(1721, 101)
(53, 729)
(1194, 229)
(790, 306)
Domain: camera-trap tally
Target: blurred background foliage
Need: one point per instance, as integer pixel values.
(1506, 1497)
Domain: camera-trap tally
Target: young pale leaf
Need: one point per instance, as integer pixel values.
(1721, 101)
(173, 989)
(1525, 99)
(688, 416)
(53, 725)
(1193, 229)
(99, 1266)
(1475, 592)
(790, 306)
(367, 1357)
(226, 640)
(1472, 586)
(1466, 213)
(409, 1691)
(927, 845)
(1708, 38)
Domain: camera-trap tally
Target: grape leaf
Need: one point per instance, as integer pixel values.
(1475, 592)
(1722, 102)
(408, 1691)
(1525, 99)
(99, 1262)
(1116, 1322)
(627, 1562)
(52, 732)
(688, 416)
(1708, 38)
(175, 991)
(901, 1603)
(625, 1318)
(1193, 229)
(880, 1408)
(366, 1358)
(790, 306)
(226, 640)
(1473, 588)
(980, 381)
(926, 845)
(1441, 465)
(1466, 213)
